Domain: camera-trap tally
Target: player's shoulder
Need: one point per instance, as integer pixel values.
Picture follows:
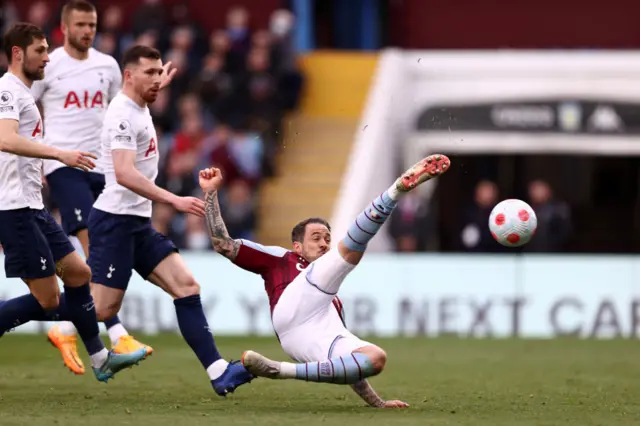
(57, 57)
(57, 54)
(274, 251)
(122, 108)
(6, 82)
(11, 88)
(122, 105)
(103, 59)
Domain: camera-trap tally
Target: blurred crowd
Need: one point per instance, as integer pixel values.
(224, 107)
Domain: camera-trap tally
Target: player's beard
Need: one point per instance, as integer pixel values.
(78, 44)
(150, 96)
(32, 75)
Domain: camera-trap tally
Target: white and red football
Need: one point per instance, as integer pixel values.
(513, 223)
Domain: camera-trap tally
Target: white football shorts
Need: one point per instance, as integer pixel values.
(307, 324)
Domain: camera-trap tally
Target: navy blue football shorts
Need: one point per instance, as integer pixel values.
(33, 243)
(74, 192)
(121, 244)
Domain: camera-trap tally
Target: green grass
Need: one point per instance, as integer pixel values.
(446, 381)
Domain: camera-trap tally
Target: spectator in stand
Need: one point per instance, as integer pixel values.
(238, 205)
(214, 84)
(554, 219)
(409, 223)
(112, 32)
(474, 232)
(238, 30)
(149, 16)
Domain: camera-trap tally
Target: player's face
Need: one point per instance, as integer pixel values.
(35, 59)
(317, 241)
(80, 29)
(146, 78)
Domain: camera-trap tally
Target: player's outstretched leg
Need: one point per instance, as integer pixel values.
(82, 312)
(347, 369)
(369, 222)
(173, 276)
(63, 337)
(76, 305)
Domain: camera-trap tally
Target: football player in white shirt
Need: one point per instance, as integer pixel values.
(120, 231)
(35, 246)
(78, 85)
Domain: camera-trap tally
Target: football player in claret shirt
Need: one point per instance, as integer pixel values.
(302, 285)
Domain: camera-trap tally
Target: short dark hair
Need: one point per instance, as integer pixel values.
(22, 35)
(297, 234)
(79, 5)
(135, 53)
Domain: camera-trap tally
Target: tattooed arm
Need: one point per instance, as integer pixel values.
(366, 392)
(222, 242)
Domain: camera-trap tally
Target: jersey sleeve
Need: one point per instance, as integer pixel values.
(38, 88)
(256, 258)
(9, 104)
(122, 135)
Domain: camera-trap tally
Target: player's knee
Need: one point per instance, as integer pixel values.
(78, 276)
(105, 310)
(379, 360)
(186, 286)
(377, 356)
(84, 274)
(48, 302)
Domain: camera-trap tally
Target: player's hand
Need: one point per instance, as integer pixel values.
(191, 205)
(395, 404)
(78, 159)
(210, 179)
(167, 75)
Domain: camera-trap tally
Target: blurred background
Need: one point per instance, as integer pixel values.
(311, 108)
(276, 94)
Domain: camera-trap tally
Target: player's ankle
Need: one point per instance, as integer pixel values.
(287, 370)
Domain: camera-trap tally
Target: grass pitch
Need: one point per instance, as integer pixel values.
(446, 382)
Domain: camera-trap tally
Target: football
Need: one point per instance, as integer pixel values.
(513, 223)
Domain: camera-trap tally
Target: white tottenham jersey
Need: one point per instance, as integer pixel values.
(127, 126)
(74, 96)
(20, 177)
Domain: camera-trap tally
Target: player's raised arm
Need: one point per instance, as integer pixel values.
(12, 142)
(210, 181)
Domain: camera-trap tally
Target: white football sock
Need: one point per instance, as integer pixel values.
(116, 332)
(98, 359)
(67, 328)
(393, 192)
(287, 370)
(216, 369)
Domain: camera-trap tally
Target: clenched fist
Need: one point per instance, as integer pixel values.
(210, 179)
